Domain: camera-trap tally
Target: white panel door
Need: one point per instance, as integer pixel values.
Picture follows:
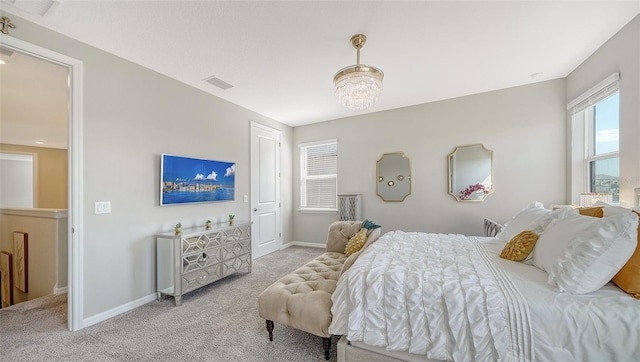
(265, 190)
(18, 184)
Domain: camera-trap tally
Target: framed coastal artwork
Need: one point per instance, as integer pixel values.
(187, 180)
(21, 268)
(6, 279)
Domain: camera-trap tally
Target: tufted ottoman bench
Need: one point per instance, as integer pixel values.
(302, 299)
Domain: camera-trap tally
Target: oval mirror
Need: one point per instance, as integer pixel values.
(471, 173)
(393, 176)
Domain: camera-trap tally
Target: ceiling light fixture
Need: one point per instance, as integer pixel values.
(358, 86)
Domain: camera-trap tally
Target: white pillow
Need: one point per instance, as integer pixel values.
(557, 236)
(582, 253)
(527, 219)
(543, 224)
(614, 210)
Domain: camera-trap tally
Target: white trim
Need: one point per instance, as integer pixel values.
(75, 298)
(265, 127)
(318, 211)
(17, 156)
(59, 291)
(323, 142)
(39, 212)
(101, 317)
(303, 243)
(595, 89)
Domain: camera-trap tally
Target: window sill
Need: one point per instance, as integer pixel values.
(318, 211)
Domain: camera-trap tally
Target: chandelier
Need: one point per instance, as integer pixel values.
(358, 86)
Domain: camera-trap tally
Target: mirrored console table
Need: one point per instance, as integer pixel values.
(199, 256)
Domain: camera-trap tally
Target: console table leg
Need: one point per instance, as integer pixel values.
(326, 345)
(270, 329)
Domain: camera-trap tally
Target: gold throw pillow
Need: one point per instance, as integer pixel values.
(591, 211)
(628, 278)
(356, 242)
(520, 246)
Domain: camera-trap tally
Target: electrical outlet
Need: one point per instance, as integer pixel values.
(102, 207)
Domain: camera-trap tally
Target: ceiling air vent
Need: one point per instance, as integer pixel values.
(38, 7)
(218, 82)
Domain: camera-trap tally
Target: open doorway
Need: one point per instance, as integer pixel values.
(42, 116)
(34, 117)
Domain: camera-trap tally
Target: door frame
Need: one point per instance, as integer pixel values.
(253, 178)
(75, 298)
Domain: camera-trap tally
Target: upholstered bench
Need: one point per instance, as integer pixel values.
(302, 299)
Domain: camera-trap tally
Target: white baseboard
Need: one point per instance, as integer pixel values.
(303, 243)
(59, 291)
(118, 310)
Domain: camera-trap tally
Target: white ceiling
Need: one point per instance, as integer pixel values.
(281, 56)
(34, 98)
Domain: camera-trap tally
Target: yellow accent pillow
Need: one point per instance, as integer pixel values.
(628, 278)
(356, 242)
(520, 246)
(591, 211)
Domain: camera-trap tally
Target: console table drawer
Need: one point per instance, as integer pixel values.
(235, 249)
(200, 278)
(200, 260)
(233, 265)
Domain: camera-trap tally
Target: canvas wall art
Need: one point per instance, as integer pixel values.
(21, 257)
(186, 180)
(6, 279)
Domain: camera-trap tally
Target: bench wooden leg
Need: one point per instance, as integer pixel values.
(326, 345)
(270, 329)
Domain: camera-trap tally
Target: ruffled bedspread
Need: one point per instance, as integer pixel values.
(443, 296)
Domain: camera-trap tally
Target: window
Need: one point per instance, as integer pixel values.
(603, 160)
(595, 139)
(319, 176)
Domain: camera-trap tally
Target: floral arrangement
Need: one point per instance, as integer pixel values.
(466, 193)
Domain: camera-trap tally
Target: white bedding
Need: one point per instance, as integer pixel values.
(442, 296)
(600, 326)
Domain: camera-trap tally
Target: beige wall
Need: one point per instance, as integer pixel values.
(46, 248)
(52, 174)
(524, 126)
(621, 54)
(131, 116)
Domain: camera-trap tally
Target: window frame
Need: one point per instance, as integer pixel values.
(582, 118)
(303, 148)
(590, 144)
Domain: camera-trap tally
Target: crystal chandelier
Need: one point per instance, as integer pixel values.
(358, 86)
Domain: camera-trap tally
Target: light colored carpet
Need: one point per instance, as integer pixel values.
(219, 322)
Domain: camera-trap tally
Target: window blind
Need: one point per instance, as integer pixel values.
(318, 175)
(594, 95)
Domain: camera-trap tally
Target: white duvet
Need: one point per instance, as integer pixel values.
(442, 296)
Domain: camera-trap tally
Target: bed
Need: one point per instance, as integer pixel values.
(433, 297)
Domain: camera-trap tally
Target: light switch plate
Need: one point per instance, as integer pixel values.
(102, 207)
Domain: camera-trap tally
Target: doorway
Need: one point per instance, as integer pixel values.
(266, 205)
(74, 162)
